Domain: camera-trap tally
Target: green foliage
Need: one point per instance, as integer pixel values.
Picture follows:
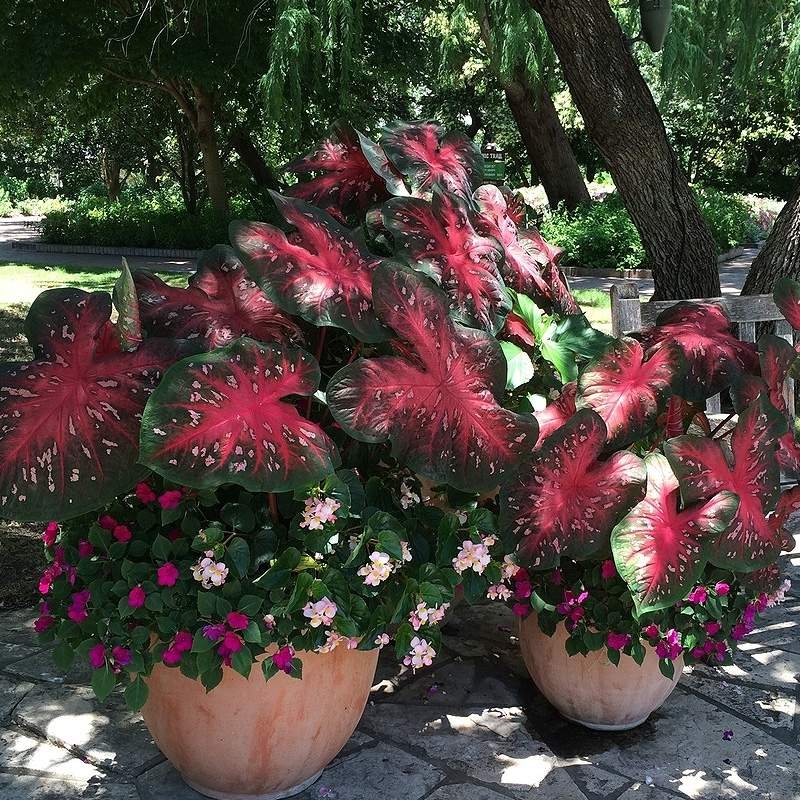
(6, 206)
(730, 218)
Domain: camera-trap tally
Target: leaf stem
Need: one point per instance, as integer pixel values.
(723, 423)
(273, 506)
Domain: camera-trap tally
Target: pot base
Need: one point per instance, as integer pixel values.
(599, 726)
(290, 792)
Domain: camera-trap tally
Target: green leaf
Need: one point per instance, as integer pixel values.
(519, 365)
(206, 604)
(280, 570)
(201, 644)
(613, 656)
(238, 554)
(239, 517)
(103, 682)
(136, 693)
(242, 661)
(638, 652)
(561, 358)
(161, 548)
(300, 593)
(358, 498)
(389, 542)
(269, 668)
(576, 334)
(211, 678)
(667, 668)
(474, 586)
(571, 646)
(534, 318)
(249, 604)
(252, 633)
(63, 656)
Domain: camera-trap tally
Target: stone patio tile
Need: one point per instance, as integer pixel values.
(108, 734)
(11, 692)
(464, 791)
(681, 749)
(759, 663)
(770, 707)
(593, 781)
(641, 791)
(35, 787)
(23, 752)
(40, 667)
(163, 781)
(16, 627)
(492, 746)
(11, 652)
(479, 630)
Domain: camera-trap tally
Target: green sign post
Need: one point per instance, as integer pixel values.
(494, 166)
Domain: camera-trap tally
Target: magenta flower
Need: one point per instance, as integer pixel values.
(144, 494)
(167, 574)
(136, 597)
(712, 627)
(121, 655)
(522, 590)
(171, 657)
(739, 631)
(556, 577)
(652, 631)
(697, 652)
(43, 622)
(50, 533)
(283, 659)
(727, 735)
(231, 643)
(237, 621)
(170, 499)
(174, 535)
(85, 548)
(608, 569)
(721, 588)
(97, 656)
(214, 632)
(77, 610)
(617, 641)
(122, 533)
(182, 641)
(107, 523)
(698, 595)
(521, 609)
(670, 646)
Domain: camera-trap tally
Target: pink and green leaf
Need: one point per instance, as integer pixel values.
(319, 272)
(565, 501)
(436, 401)
(557, 413)
(661, 549)
(125, 298)
(220, 304)
(229, 416)
(628, 390)
(787, 298)
(69, 419)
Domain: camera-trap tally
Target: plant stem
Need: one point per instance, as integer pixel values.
(273, 506)
(723, 423)
(318, 356)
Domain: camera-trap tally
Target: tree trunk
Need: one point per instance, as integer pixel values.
(780, 256)
(209, 149)
(624, 122)
(546, 142)
(111, 176)
(262, 173)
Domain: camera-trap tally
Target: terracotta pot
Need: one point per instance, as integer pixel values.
(250, 739)
(589, 689)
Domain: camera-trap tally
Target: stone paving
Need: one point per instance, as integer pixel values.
(473, 727)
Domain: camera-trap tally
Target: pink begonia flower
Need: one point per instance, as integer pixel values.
(608, 569)
(122, 533)
(652, 631)
(697, 652)
(382, 640)
(85, 548)
(556, 577)
(50, 533)
(97, 656)
(570, 607)
(472, 556)
(269, 622)
(509, 568)
(698, 595)
(318, 512)
(237, 621)
(320, 613)
(617, 641)
(43, 622)
(739, 631)
(172, 657)
(669, 647)
(182, 641)
(721, 588)
(144, 494)
(498, 591)
(136, 597)
(712, 627)
(167, 574)
(107, 523)
(121, 655)
(420, 655)
(521, 609)
(214, 632)
(170, 499)
(283, 659)
(378, 569)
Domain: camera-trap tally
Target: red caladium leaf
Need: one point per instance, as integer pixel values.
(627, 390)
(351, 173)
(714, 355)
(557, 412)
(787, 298)
(225, 417)
(220, 304)
(754, 538)
(320, 272)
(426, 156)
(440, 239)
(767, 579)
(565, 502)
(437, 402)
(661, 550)
(516, 330)
(69, 419)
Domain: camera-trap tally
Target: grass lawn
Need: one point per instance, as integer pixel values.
(597, 305)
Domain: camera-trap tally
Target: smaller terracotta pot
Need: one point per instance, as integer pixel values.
(589, 689)
(249, 739)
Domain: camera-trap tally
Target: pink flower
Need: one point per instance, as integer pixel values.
(237, 621)
(77, 611)
(739, 631)
(652, 631)
(50, 533)
(108, 523)
(697, 652)
(521, 609)
(144, 494)
(570, 605)
(85, 549)
(122, 533)
(171, 657)
(97, 656)
(170, 499)
(136, 597)
(617, 641)
(43, 622)
(182, 642)
(712, 628)
(121, 655)
(721, 588)
(608, 570)
(283, 659)
(231, 643)
(670, 646)
(698, 595)
(167, 574)
(214, 632)
(522, 589)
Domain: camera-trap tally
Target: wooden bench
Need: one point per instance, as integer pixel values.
(629, 314)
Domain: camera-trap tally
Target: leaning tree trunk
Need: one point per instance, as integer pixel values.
(625, 124)
(262, 173)
(780, 257)
(209, 149)
(111, 176)
(546, 142)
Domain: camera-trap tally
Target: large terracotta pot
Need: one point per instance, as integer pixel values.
(589, 689)
(251, 738)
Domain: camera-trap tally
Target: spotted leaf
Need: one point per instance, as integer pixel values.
(714, 356)
(220, 304)
(227, 417)
(129, 320)
(439, 238)
(751, 471)
(69, 419)
(564, 501)
(558, 412)
(660, 549)
(787, 298)
(436, 402)
(427, 157)
(319, 272)
(628, 390)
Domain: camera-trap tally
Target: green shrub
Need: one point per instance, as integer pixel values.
(730, 218)
(15, 189)
(6, 206)
(599, 235)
